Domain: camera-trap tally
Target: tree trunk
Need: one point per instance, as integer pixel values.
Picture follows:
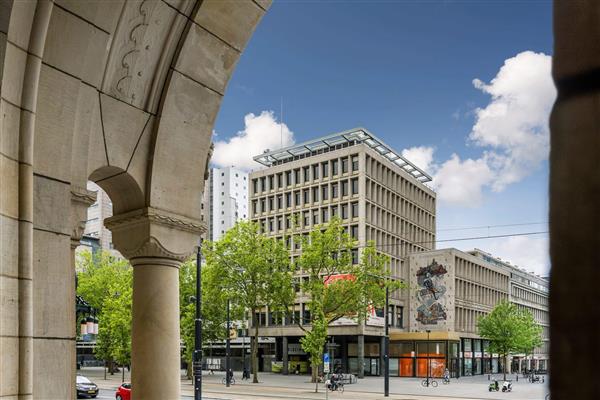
(104, 369)
(123, 374)
(189, 370)
(111, 366)
(315, 372)
(506, 365)
(255, 350)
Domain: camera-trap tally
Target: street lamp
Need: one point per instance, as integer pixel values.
(227, 350)
(386, 345)
(428, 357)
(197, 359)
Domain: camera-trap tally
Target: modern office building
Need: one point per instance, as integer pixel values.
(452, 289)
(378, 194)
(225, 200)
(95, 234)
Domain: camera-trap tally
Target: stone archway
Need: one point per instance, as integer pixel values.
(125, 95)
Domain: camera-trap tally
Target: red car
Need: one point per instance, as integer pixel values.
(123, 392)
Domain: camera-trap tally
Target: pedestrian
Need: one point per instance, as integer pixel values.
(297, 369)
(245, 373)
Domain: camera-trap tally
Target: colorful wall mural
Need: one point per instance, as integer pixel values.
(431, 293)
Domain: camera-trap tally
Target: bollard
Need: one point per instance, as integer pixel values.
(517, 377)
(488, 377)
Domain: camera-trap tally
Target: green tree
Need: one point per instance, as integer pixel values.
(105, 282)
(214, 303)
(510, 330)
(336, 286)
(253, 271)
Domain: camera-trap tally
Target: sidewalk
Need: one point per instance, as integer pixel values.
(276, 386)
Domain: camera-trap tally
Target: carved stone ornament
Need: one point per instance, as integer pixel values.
(154, 215)
(152, 248)
(82, 195)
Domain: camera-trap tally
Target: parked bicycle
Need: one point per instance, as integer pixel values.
(431, 383)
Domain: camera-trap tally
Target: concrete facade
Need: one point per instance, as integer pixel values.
(96, 214)
(376, 199)
(466, 286)
(124, 95)
(225, 200)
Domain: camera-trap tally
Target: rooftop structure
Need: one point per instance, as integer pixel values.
(337, 141)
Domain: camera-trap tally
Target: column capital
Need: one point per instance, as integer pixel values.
(153, 233)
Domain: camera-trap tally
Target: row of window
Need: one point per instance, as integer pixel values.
(306, 197)
(392, 179)
(476, 293)
(306, 174)
(309, 218)
(477, 273)
(528, 295)
(466, 319)
(394, 201)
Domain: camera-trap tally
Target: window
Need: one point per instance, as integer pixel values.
(334, 191)
(324, 192)
(271, 182)
(344, 188)
(344, 165)
(271, 225)
(354, 210)
(354, 231)
(297, 176)
(325, 169)
(271, 204)
(334, 167)
(255, 185)
(263, 206)
(354, 163)
(306, 218)
(288, 224)
(344, 211)
(263, 184)
(399, 316)
(354, 186)
(315, 171)
(288, 178)
(306, 195)
(222, 183)
(315, 194)
(279, 202)
(288, 199)
(306, 173)
(279, 181)
(354, 256)
(297, 198)
(315, 217)
(324, 215)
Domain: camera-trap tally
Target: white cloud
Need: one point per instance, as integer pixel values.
(461, 182)
(260, 132)
(421, 156)
(512, 131)
(514, 125)
(528, 252)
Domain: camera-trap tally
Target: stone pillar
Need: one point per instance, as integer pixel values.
(361, 356)
(284, 356)
(155, 242)
(575, 201)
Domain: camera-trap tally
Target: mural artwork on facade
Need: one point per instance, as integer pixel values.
(430, 293)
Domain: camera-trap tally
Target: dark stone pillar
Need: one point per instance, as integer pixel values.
(361, 356)
(575, 202)
(284, 357)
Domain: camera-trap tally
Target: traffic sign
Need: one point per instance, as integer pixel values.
(326, 363)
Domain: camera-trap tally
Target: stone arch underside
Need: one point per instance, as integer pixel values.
(124, 93)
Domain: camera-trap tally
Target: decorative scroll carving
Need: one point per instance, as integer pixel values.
(153, 248)
(82, 195)
(161, 217)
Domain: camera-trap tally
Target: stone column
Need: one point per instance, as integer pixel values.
(361, 356)
(284, 356)
(155, 242)
(575, 201)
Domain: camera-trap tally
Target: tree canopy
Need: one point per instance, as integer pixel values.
(253, 272)
(510, 330)
(106, 283)
(337, 287)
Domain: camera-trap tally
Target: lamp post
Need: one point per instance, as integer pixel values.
(428, 356)
(197, 359)
(386, 345)
(227, 350)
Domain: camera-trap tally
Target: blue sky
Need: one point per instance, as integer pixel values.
(405, 71)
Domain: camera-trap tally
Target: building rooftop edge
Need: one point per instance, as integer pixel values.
(355, 135)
